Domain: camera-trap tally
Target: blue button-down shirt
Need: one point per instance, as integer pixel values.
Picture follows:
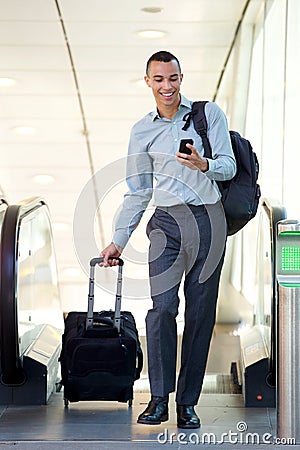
(152, 168)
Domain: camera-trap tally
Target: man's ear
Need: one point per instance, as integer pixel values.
(181, 77)
(147, 80)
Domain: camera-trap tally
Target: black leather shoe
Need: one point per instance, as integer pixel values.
(186, 417)
(156, 411)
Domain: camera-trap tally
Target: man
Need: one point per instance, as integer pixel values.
(186, 232)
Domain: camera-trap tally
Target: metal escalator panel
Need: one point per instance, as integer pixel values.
(275, 212)
(30, 310)
(255, 354)
(258, 344)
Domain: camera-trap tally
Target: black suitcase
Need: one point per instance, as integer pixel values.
(101, 354)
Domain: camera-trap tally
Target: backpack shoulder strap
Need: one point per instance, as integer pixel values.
(200, 124)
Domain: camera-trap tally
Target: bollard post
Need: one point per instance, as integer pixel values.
(288, 329)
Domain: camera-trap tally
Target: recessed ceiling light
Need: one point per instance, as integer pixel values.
(152, 9)
(60, 226)
(151, 34)
(7, 82)
(24, 130)
(43, 179)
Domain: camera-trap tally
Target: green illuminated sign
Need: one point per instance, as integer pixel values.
(290, 258)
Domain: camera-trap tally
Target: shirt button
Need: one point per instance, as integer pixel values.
(179, 176)
(175, 140)
(174, 123)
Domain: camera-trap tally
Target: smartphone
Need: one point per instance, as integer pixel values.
(183, 148)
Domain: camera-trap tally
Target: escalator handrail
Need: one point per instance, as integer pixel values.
(275, 212)
(9, 344)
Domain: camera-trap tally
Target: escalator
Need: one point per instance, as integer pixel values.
(31, 319)
(256, 369)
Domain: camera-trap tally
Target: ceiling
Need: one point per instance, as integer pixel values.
(76, 64)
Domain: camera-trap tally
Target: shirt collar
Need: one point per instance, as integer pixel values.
(184, 103)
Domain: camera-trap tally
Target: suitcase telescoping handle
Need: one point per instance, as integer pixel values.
(117, 317)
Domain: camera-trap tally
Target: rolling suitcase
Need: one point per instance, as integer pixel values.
(101, 354)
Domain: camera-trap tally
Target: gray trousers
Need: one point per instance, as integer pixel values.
(186, 240)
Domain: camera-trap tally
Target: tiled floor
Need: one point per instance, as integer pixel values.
(223, 417)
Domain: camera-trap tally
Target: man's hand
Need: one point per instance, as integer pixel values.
(111, 251)
(194, 161)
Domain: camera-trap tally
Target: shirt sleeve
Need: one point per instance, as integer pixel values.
(139, 178)
(222, 166)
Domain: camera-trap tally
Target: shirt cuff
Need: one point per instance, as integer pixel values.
(211, 168)
(120, 238)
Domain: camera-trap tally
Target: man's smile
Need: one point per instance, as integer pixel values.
(167, 94)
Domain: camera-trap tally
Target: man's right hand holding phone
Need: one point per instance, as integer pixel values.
(189, 157)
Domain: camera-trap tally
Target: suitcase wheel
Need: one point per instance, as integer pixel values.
(66, 402)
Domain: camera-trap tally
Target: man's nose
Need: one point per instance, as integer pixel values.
(166, 83)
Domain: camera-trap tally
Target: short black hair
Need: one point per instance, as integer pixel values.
(162, 56)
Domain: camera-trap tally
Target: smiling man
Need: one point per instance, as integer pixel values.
(187, 224)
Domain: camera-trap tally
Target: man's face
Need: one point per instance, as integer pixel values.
(164, 79)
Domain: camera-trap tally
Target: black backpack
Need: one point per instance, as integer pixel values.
(240, 195)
